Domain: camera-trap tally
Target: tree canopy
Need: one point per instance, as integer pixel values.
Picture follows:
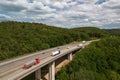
(98, 61)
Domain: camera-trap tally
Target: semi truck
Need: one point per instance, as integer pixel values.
(31, 63)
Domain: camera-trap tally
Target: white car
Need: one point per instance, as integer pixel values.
(83, 42)
(80, 45)
(68, 47)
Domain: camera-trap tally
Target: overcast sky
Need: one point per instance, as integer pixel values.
(63, 13)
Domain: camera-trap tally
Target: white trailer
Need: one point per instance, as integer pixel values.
(55, 53)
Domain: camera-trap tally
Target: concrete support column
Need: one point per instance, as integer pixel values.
(70, 57)
(52, 71)
(38, 75)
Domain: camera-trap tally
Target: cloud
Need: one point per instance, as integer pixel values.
(4, 17)
(64, 13)
(112, 4)
(10, 6)
(30, 1)
(100, 1)
(59, 4)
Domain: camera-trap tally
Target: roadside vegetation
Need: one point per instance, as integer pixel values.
(98, 61)
(19, 38)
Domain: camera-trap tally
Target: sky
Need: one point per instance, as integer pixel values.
(63, 13)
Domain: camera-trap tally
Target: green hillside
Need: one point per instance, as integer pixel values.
(98, 61)
(18, 38)
(93, 32)
(115, 32)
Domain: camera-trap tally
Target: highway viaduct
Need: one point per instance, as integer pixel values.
(13, 69)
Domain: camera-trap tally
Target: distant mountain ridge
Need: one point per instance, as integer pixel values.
(114, 31)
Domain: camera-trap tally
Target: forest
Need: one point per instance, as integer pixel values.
(19, 38)
(98, 61)
(113, 32)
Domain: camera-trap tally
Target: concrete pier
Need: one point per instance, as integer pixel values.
(70, 57)
(52, 71)
(38, 74)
